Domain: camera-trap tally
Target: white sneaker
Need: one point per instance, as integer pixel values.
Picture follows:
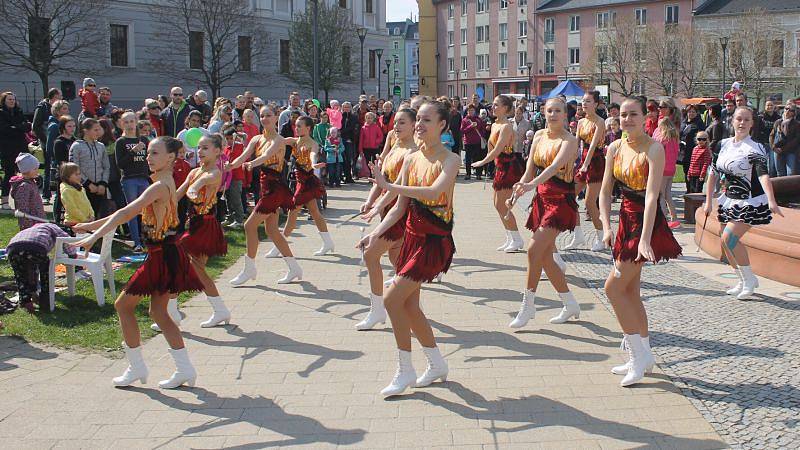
(294, 273)
(623, 368)
(136, 371)
(437, 367)
(248, 273)
(184, 371)
(377, 313)
(404, 378)
(571, 308)
(526, 311)
(273, 253)
(327, 244)
(221, 313)
(578, 239)
(174, 314)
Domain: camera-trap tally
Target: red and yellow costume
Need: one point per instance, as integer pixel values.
(392, 166)
(274, 191)
(167, 268)
(508, 165)
(428, 245)
(309, 187)
(597, 165)
(631, 170)
(204, 236)
(554, 204)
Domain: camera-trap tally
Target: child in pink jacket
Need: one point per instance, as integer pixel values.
(370, 139)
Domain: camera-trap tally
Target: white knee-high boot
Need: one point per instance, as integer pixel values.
(136, 371)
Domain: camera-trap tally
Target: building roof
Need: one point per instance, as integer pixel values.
(407, 29)
(711, 7)
(561, 5)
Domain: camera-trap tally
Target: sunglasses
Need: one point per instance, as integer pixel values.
(177, 95)
(663, 107)
(702, 139)
(91, 85)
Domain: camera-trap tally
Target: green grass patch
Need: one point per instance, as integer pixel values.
(77, 320)
(680, 177)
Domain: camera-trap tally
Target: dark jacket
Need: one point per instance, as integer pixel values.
(716, 133)
(204, 108)
(12, 131)
(790, 129)
(40, 116)
(455, 128)
(765, 124)
(61, 147)
(689, 131)
(349, 126)
(52, 134)
(175, 119)
(132, 163)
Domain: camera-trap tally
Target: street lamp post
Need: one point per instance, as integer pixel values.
(528, 88)
(379, 54)
(723, 42)
(316, 49)
(566, 73)
(602, 62)
(362, 33)
(388, 80)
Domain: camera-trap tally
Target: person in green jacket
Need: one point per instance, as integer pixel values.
(320, 132)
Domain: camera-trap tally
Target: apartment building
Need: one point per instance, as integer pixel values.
(403, 69)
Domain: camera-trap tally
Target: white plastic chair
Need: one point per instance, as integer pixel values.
(94, 262)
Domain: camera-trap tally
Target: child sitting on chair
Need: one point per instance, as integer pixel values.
(77, 208)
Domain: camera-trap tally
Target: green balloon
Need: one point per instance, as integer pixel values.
(316, 102)
(193, 137)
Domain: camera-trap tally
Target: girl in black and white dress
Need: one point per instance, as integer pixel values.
(747, 198)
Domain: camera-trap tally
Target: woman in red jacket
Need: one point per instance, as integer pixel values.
(370, 139)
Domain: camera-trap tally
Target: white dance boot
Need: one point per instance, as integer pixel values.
(377, 313)
(437, 367)
(506, 243)
(639, 359)
(136, 371)
(598, 245)
(560, 262)
(221, 313)
(571, 308)
(749, 283)
(578, 239)
(294, 273)
(184, 371)
(273, 253)
(174, 314)
(622, 369)
(735, 290)
(248, 273)
(327, 244)
(517, 244)
(526, 311)
(404, 378)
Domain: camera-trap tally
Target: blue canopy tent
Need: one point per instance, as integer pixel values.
(566, 88)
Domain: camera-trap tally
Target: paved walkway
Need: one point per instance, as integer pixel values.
(292, 371)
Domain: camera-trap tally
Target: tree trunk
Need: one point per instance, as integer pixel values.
(45, 80)
(326, 98)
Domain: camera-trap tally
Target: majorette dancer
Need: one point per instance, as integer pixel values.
(270, 149)
(166, 270)
(637, 164)
(426, 201)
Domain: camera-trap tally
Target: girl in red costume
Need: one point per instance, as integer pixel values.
(166, 270)
(269, 148)
(425, 199)
(637, 164)
(553, 210)
(401, 144)
(592, 133)
(508, 171)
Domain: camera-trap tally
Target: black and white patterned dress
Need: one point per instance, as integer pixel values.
(738, 166)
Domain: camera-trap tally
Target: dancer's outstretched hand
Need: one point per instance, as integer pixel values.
(377, 175)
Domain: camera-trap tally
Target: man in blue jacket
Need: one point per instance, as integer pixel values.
(174, 115)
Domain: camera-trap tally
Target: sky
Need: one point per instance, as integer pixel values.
(399, 10)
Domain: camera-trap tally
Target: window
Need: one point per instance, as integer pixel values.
(602, 20)
(503, 31)
(397, 59)
(196, 49)
(502, 61)
(451, 8)
(463, 63)
(481, 62)
(245, 58)
(523, 28)
(761, 56)
(463, 7)
(641, 16)
(523, 58)
(396, 31)
(712, 53)
(342, 3)
(776, 53)
(119, 45)
(503, 4)
(396, 45)
(603, 54)
(483, 6)
(574, 56)
(451, 65)
(671, 14)
(482, 33)
(549, 61)
(638, 87)
(575, 23)
(639, 52)
(368, 7)
(463, 90)
(346, 52)
(451, 90)
(450, 38)
(285, 52)
(463, 35)
(373, 58)
(523, 2)
(397, 73)
(549, 30)
(39, 38)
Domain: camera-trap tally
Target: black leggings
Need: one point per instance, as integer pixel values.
(31, 270)
(473, 153)
(9, 165)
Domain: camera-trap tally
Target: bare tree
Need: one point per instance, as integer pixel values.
(664, 49)
(620, 46)
(49, 36)
(698, 55)
(751, 49)
(224, 40)
(336, 43)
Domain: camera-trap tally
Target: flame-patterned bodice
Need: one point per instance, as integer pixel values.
(422, 172)
(585, 132)
(275, 162)
(393, 163)
(495, 135)
(546, 152)
(155, 232)
(631, 167)
(206, 195)
(302, 153)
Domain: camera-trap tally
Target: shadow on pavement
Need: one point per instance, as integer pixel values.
(15, 348)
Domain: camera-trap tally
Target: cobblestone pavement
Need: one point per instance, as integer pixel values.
(291, 371)
(736, 360)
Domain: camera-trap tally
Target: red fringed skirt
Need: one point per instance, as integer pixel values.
(631, 219)
(166, 270)
(508, 170)
(205, 236)
(396, 231)
(428, 245)
(597, 167)
(309, 187)
(274, 193)
(554, 206)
